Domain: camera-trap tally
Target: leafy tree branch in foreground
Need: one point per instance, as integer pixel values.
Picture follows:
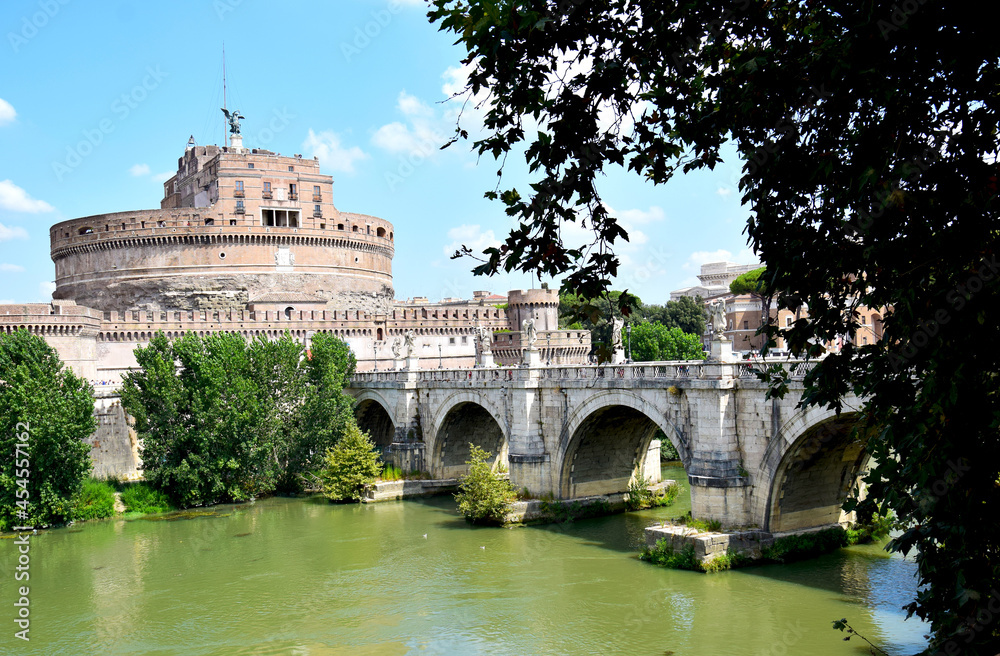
(868, 136)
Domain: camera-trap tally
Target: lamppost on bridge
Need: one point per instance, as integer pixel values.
(375, 345)
(628, 331)
(440, 365)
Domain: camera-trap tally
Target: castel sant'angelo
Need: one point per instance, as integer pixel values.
(248, 240)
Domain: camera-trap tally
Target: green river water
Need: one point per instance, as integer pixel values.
(303, 577)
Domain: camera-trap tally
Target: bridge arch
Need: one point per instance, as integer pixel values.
(809, 469)
(462, 418)
(604, 443)
(373, 414)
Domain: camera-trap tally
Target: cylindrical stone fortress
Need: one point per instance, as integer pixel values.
(236, 226)
(169, 259)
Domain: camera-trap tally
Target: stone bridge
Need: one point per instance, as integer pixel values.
(575, 431)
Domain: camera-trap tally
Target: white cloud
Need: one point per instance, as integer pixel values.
(724, 191)
(472, 236)
(637, 216)
(11, 268)
(422, 134)
(139, 170)
(17, 232)
(327, 146)
(45, 289)
(7, 113)
(15, 199)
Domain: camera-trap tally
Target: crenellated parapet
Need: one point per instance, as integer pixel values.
(70, 329)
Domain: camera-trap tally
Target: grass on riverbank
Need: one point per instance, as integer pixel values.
(95, 501)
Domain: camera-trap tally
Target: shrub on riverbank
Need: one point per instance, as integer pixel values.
(95, 501)
(142, 498)
(222, 419)
(46, 413)
(484, 497)
(350, 465)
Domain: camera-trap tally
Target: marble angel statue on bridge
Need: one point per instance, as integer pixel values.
(530, 332)
(485, 338)
(717, 319)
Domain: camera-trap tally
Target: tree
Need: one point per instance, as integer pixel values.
(222, 419)
(752, 283)
(49, 410)
(326, 411)
(597, 314)
(350, 465)
(652, 342)
(483, 496)
(686, 313)
(868, 134)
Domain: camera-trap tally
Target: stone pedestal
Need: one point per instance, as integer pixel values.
(486, 360)
(618, 357)
(412, 363)
(722, 350)
(532, 358)
(236, 142)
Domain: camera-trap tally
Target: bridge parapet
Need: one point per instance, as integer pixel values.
(636, 371)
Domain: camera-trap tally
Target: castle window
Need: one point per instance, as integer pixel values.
(354, 228)
(232, 221)
(291, 168)
(788, 321)
(380, 232)
(239, 189)
(340, 226)
(239, 208)
(267, 190)
(288, 312)
(746, 325)
(86, 230)
(279, 218)
(250, 165)
(292, 192)
(209, 221)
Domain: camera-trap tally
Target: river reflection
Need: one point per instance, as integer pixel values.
(297, 576)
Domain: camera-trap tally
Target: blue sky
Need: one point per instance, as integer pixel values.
(97, 101)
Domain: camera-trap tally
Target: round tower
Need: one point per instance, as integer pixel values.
(540, 304)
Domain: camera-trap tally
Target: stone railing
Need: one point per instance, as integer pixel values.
(796, 368)
(664, 371)
(634, 371)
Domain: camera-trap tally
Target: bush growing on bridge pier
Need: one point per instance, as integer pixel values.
(484, 497)
(48, 409)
